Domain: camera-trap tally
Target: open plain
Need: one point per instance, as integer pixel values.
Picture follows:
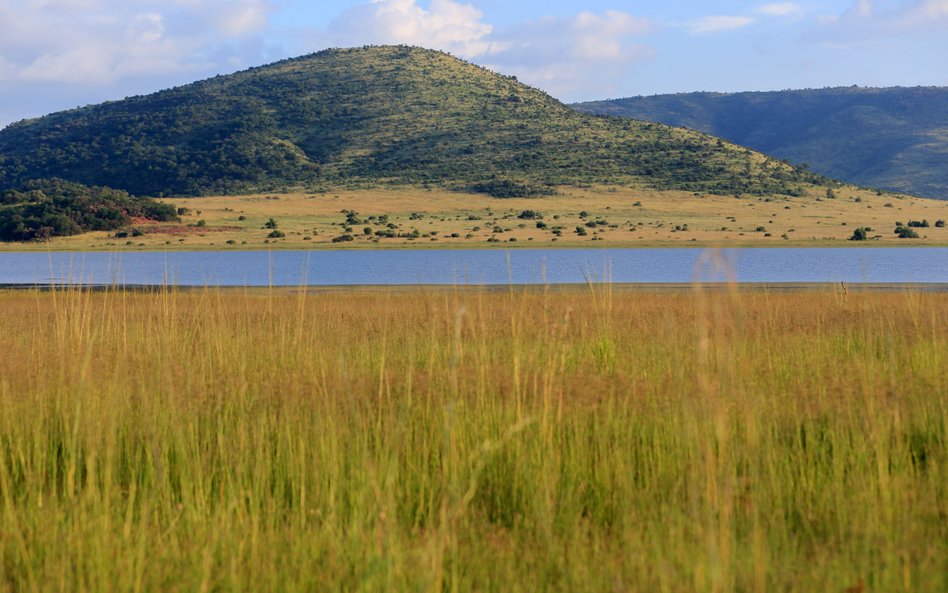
(574, 217)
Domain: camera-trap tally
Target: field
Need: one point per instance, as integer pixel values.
(607, 217)
(557, 439)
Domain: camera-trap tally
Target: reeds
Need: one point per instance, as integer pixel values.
(596, 439)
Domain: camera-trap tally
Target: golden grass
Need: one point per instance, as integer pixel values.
(572, 439)
(313, 220)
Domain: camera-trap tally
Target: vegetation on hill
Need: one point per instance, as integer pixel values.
(370, 116)
(891, 138)
(47, 208)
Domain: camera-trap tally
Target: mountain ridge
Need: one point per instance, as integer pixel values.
(893, 138)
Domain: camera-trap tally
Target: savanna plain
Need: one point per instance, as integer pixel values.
(598, 438)
(592, 216)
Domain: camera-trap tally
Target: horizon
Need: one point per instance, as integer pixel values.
(62, 54)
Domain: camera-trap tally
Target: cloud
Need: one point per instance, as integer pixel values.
(100, 41)
(587, 54)
(781, 9)
(719, 23)
(578, 57)
(884, 17)
(447, 25)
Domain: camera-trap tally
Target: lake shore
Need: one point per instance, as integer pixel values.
(572, 288)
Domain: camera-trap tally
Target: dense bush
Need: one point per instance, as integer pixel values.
(46, 208)
(906, 233)
(505, 188)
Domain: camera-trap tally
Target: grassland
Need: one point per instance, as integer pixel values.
(614, 217)
(576, 439)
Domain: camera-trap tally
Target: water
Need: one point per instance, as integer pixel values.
(478, 267)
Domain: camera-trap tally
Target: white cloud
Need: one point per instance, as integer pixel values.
(146, 28)
(780, 9)
(876, 23)
(927, 11)
(446, 25)
(904, 16)
(236, 19)
(719, 23)
(583, 56)
(99, 41)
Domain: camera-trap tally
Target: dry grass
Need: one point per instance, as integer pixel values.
(469, 440)
(311, 220)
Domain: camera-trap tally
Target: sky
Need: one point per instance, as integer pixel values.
(60, 54)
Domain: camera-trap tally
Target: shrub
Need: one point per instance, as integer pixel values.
(918, 224)
(581, 231)
(859, 234)
(270, 224)
(47, 208)
(505, 188)
(529, 215)
(343, 239)
(276, 235)
(906, 233)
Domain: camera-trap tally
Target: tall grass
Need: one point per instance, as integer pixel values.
(467, 440)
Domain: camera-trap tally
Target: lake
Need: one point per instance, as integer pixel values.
(477, 266)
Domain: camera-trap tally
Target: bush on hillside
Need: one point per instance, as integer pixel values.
(505, 188)
(46, 208)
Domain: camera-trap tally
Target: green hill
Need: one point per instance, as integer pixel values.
(370, 116)
(891, 138)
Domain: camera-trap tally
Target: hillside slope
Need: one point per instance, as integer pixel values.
(370, 116)
(892, 138)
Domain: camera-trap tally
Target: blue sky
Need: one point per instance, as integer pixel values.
(57, 54)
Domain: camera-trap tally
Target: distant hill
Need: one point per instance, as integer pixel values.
(891, 138)
(371, 116)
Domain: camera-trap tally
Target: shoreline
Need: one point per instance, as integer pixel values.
(671, 287)
(519, 246)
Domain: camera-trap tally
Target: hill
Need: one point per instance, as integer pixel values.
(369, 117)
(890, 138)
